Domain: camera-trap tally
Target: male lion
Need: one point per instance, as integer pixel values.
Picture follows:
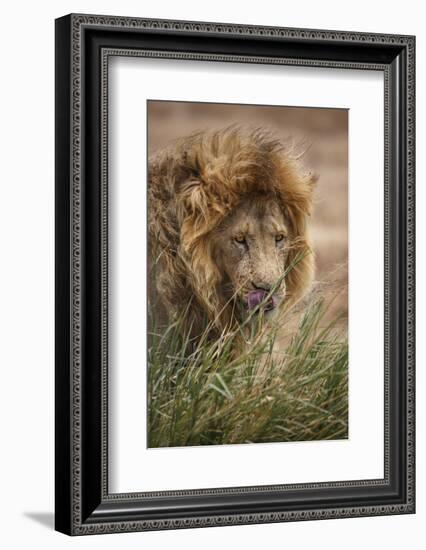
(228, 227)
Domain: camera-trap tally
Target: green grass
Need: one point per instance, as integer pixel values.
(205, 394)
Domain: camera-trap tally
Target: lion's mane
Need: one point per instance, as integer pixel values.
(192, 186)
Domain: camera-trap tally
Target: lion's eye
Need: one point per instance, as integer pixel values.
(240, 239)
(279, 237)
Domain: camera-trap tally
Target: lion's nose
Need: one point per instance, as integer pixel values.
(261, 286)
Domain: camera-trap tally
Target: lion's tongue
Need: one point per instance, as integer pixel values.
(256, 297)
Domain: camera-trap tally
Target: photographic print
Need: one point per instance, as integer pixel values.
(247, 274)
(234, 274)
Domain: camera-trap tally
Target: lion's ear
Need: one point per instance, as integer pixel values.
(312, 178)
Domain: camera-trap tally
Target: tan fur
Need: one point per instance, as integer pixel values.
(195, 185)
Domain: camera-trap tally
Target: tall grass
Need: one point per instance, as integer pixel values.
(203, 393)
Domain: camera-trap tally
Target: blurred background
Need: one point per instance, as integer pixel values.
(322, 134)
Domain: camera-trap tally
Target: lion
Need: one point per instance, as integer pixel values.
(228, 227)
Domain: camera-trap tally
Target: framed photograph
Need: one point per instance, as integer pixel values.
(234, 274)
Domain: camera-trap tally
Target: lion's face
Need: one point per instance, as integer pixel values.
(230, 211)
(251, 249)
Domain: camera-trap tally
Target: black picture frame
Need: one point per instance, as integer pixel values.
(83, 504)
